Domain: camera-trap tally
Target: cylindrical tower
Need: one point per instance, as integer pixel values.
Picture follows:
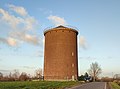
(60, 54)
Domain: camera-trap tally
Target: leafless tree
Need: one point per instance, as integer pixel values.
(1, 75)
(23, 76)
(94, 70)
(39, 73)
(10, 76)
(15, 74)
(117, 76)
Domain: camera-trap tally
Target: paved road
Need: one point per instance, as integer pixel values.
(93, 85)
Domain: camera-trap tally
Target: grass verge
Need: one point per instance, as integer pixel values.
(115, 85)
(37, 84)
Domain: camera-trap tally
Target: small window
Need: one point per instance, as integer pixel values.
(72, 65)
(62, 31)
(72, 53)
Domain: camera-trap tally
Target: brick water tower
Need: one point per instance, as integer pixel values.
(60, 54)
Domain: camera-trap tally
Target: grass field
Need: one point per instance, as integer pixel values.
(115, 85)
(37, 85)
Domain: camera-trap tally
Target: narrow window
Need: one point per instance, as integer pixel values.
(72, 65)
(72, 53)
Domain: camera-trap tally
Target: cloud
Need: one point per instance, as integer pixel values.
(29, 22)
(15, 22)
(109, 57)
(20, 10)
(83, 43)
(88, 58)
(22, 28)
(92, 58)
(25, 37)
(57, 20)
(31, 39)
(39, 53)
(45, 11)
(0, 59)
(9, 41)
(28, 67)
(10, 19)
(43, 41)
(5, 70)
(12, 41)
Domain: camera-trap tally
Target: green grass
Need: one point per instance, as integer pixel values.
(115, 85)
(37, 85)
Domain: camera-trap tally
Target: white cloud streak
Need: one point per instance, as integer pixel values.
(20, 10)
(9, 41)
(83, 43)
(39, 54)
(10, 19)
(24, 37)
(88, 58)
(28, 67)
(56, 20)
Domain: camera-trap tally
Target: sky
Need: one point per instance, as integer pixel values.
(22, 23)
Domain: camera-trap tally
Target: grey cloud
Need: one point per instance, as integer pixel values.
(110, 57)
(9, 41)
(0, 59)
(88, 58)
(25, 37)
(5, 70)
(28, 67)
(39, 54)
(45, 11)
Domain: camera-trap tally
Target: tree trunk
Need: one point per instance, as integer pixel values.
(93, 78)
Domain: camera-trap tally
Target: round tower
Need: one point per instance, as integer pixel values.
(60, 54)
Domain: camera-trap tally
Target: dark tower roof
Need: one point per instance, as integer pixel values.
(60, 27)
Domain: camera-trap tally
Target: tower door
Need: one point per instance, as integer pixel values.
(73, 77)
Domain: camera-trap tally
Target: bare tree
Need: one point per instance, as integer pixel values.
(94, 70)
(1, 76)
(10, 77)
(23, 76)
(16, 74)
(39, 73)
